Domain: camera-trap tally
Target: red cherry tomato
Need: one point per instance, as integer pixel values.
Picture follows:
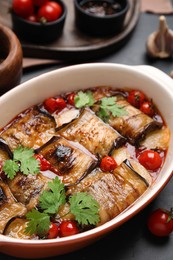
(23, 8)
(147, 108)
(108, 164)
(151, 160)
(68, 228)
(136, 98)
(160, 222)
(53, 231)
(70, 99)
(49, 12)
(44, 164)
(50, 105)
(60, 102)
(39, 2)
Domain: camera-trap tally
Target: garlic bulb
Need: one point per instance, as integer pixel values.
(160, 43)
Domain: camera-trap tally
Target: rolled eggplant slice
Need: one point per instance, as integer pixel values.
(31, 129)
(27, 188)
(135, 124)
(9, 208)
(65, 116)
(16, 229)
(91, 132)
(71, 162)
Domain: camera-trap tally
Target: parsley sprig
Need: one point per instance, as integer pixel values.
(82, 205)
(23, 161)
(108, 105)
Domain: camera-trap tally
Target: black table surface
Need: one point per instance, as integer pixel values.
(131, 241)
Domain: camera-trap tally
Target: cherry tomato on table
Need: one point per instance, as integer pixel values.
(108, 163)
(136, 98)
(151, 160)
(53, 231)
(23, 8)
(68, 228)
(49, 12)
(147, 108)
(160, 222)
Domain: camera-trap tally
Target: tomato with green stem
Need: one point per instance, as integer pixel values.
(160, 222)
(49, 12)
(136, 98)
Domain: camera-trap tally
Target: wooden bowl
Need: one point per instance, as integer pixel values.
(10, 59)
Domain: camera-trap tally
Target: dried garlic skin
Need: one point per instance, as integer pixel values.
(160, 43)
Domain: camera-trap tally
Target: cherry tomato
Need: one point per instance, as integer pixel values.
(108, 164)
(44, 164)
(23, 8)
(50, 105)
(160, 222)
(60, 103)
(151, 160)
(39, 2)
(53, 231)
(147, 108)
(68, 228)
(136, 98)
(49, 12)
(70, 98)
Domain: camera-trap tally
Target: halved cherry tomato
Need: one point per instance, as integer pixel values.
(49, 12)
(108, 163)
(53, 231)
(70, 98)
(147, 108)
(136, 98)
(23, 8)
(68, 228)
(44, 164)
(151, 160)
(160, 222)
(52, 104)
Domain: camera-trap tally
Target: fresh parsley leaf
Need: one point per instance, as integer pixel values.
(28, 164)
(10, 168)
(23, 161)
(83, 99)
(85, 208)
(108, 105)
(51, 200)
(39, 223)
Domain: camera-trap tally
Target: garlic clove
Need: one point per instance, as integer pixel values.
(160, 43)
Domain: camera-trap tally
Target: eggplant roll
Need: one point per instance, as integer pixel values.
(135, 124)
(9, 207)
(71, 162)
(31, 128)
(27, 188)
(113, 191)
(91, 132)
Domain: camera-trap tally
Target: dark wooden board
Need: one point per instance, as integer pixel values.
(73, 44)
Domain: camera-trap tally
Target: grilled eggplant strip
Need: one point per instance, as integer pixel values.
(16, 229)
(27, 188)
(135, 125)
(70, 162)
(31, 129)
(92, 133)
(66, 116)
(9, 208)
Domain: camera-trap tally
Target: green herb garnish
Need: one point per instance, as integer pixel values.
(108, 105)
(51, 200)
(83, 99)
(23, 161)
(39, 222)
(85, 208)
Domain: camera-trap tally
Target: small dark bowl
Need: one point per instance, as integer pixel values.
(39, 32)
(100, 25)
